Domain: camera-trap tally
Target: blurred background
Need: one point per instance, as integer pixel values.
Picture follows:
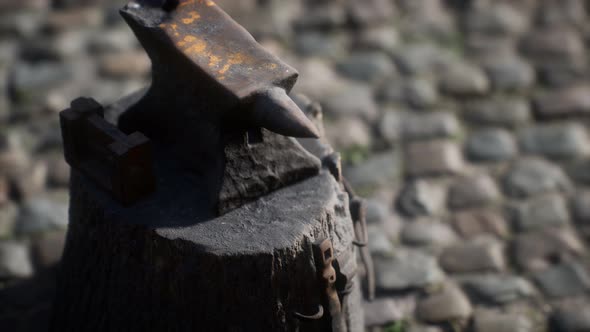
(463, 122)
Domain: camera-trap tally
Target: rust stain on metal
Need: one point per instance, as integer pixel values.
(192, 45)
(234, 59)
(214, 60)
(190, 2)
(186, 2)
(192, 17)
(208, 2)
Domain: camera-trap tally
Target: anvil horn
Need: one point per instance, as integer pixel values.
(274, 110)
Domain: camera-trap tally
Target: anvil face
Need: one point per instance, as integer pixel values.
(220, 47)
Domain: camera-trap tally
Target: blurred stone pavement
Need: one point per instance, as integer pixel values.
(464, 123)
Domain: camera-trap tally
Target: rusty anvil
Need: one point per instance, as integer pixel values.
(203, 59)
(218, 100)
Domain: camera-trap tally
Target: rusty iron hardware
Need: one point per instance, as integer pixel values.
(333, 162)
(121, 164)
(318, 315)
(369, 271)
(358, 214)
(323, 253)
(340, 261)
(207, 65)
(343, 280)
(342, 285)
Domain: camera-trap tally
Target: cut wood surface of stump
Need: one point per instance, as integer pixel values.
(127, 269)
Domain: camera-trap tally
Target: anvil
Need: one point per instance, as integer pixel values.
(218, 101)
(206, 64)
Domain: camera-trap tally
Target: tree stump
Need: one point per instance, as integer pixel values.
(228, 241)
(164, 265)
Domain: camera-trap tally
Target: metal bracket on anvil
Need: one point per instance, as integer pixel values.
(121, 164)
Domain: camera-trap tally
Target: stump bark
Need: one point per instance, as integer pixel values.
(164, 265)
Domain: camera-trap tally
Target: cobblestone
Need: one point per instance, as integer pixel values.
(464, 80)
(574, 318)
(422, 198)
(407, 269)
(529, 177)
(428, 233)
(563, 102)
(473, 191)
(509, 73)
(538, 250)
(496, 288)
(493, 321)
(368, 67)
(555, 141)
(433, 158)
(544, 211)
(447, 305)
(478, 255)
(508, 112)
(476, 222)
(491, 145)
(563, 280)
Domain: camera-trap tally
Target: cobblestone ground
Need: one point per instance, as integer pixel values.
(463, 122)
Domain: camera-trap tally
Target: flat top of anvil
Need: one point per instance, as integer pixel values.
(223, 49)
